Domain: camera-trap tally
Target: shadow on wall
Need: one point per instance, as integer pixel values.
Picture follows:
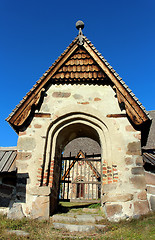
(13, 188)
(22, 179)
(7, 187)
(54, 182)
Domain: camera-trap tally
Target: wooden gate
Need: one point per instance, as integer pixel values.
(81, 178)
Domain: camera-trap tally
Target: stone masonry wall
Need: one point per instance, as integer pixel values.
(128, 197)
(123, 174)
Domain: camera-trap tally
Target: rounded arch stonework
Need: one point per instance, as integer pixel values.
(53, 147)
(65, 129)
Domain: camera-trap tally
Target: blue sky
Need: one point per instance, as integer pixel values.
(33, 33)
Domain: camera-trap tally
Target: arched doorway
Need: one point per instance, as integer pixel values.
(61, 132)
(73, 184)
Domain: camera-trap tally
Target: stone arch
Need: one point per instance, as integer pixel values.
(67, 120)
(62, 131)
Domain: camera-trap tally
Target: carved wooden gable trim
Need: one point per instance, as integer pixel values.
(79, 64)
(80, 67)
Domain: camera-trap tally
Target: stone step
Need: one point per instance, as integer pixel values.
(75, 218)
(18, 232)
(77, 228)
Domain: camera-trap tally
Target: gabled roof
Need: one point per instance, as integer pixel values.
(99, 69)
(87, 145)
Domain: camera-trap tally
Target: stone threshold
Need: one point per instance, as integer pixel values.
(77, 218)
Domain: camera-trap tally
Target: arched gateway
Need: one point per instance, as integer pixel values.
(72, 126)
(80, 97)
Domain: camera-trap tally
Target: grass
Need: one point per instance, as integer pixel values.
(77, 207)
(95, 205)
(140, 229)
(65, 207)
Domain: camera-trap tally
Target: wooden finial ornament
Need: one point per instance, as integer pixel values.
(80, 26)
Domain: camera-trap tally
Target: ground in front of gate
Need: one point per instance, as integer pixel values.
(142, 228)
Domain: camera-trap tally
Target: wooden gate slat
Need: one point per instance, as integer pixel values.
(83, 184)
